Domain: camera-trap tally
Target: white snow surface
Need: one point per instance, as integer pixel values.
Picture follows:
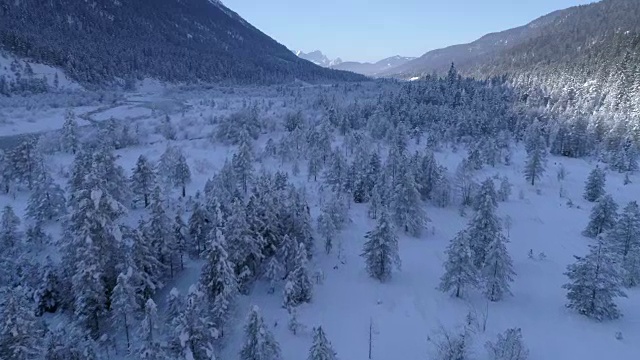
(406, 311)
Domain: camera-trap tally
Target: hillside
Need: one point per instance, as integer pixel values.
(101, 41)
(588, 37)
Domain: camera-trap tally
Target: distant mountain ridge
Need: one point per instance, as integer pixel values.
(561, 38)
(105, 41)
(364, 68)
(373, 69)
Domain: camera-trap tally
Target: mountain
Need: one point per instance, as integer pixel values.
(570, 38)
(318, 58)
(102, 41)
(373, 69)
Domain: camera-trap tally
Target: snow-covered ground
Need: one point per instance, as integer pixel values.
(408, 310)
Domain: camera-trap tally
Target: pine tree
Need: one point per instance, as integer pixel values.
(25, 162)
(199, 228)
(159, 229)
(298, 287)
(218, 278)
(47, 200)
(89, 287)
(536, 159)
(70, 133)
(148, 272)
(594, 187)
(408, 210)
(321, 348)
(594, 283)
(508, 346)
(259, 343)
(194, 330)
(151, 349)
(497, 271)
(505, 189)
(242, 161)
(9, 233)
(603, 217)
(180, 238)
(273, 273)
(245, 250)
(20, 332)
(47, 295)
(123, 304)
(485, 225)
(381, 249)
(175, 306)
(624, 243)
(143, 181)
(459, 269)
(36, 236)
(173, 165)
(114, 180)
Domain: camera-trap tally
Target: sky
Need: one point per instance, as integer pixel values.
(371, 30)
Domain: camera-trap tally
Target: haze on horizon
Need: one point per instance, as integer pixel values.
(371, 30)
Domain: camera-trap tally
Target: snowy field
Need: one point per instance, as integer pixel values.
(407, 311)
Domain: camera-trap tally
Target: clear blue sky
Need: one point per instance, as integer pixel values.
(370, 30)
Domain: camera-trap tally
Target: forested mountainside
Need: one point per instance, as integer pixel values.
(98, 41)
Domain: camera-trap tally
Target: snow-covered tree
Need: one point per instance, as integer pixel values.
(70, 140)
(603, 217)
(159, 229)
(175, 305)
(245, 250)
(180, 239)
(48, 295)
(173, 166)
(194, 331)
(242, 161)
(199, 228)
(149, 271)
(274, 273)
(10, 235)
(321, 348)
(21, 332)
(381, 249)
(497, 270)
(485, 225)
(624, 243)
(150, 349)
(143, 181)
(505, 189)
(594, 283)
(114, 180)
(25, 162)
(406, 206)
(47, 199)
(594, 187)
(218, 278)
(536, 154)
(259, 343)
(298, 287)
(123, 304)
(459, 269)
(452, 346)
(508, 346)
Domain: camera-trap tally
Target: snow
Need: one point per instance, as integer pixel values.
(39, 70)
(406, 311)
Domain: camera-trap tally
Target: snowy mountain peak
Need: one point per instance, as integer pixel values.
(318, 58)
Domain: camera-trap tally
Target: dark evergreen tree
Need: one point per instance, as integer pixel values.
(594, 187)
(199, 228)
(485, 225)
(321, 348)
(259, 343)
(10, 235)
(623, 241)
(143, 181)
(21, 332)
(47, 201)
(459, 269)
(70, 141)
(298, 287)
(381, 249)
(123, 304)
(603, 217)
(594, 283)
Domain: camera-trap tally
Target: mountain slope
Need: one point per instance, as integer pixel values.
(562, 37)
(175, 40)
(373, 69)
